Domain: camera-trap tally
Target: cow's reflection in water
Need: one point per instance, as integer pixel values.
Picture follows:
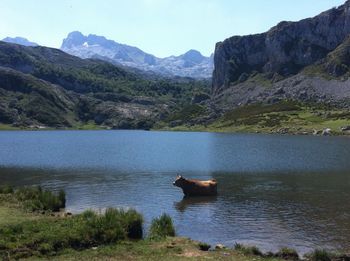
(189, 202)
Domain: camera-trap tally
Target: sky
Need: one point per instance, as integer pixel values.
(159, 27)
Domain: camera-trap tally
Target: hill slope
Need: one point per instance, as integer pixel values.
(45, 86)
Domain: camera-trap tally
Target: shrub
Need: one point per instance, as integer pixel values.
(37, 199)
(103, 229)
(6, 189)
(112, 226)
(203, 246)
(320, 255)
(287, 253)
(248, 250)
(48, 236)
(133, 223)
(162, 227)
(62, 198)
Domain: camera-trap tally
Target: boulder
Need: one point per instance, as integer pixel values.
(326, 132)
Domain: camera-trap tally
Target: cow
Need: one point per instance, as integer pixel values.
(194, 187)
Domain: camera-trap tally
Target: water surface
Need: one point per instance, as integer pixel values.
(274, 191)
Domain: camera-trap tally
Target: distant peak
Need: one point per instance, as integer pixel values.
(75, 34)
(74, 38)
(193, 56)
(19, 40)
(193, 52)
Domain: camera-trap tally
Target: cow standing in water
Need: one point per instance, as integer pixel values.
(194, 187)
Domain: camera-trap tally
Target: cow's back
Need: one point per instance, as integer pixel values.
(201, 188)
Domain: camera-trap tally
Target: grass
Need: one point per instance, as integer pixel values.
(187, 113)
(116, 234)
(37, 199)
(47, 236)
(320, 255)
(162, 227)
(287, 253)
(283, 117)
(170, 248)
(248, 250)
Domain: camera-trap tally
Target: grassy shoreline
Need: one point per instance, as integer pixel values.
(308, 131)
(33, 235)
(44, 232)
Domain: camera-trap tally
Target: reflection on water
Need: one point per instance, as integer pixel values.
(194, 202)
(273, 191)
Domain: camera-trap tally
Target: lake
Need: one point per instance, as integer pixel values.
(274, 191)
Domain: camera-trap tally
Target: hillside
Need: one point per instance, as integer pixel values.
(191, 64)
(45, 86)
(283, 51)
(292, 79)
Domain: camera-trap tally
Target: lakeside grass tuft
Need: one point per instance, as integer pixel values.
(38, 199)
(47, 236)
(161, 227)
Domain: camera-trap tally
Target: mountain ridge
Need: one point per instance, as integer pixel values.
(191, 64)
(284, 50)
(19, 40)
(41, 86)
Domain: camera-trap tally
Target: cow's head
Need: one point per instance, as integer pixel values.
(179, 181)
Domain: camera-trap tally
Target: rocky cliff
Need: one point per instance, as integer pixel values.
(285, 50)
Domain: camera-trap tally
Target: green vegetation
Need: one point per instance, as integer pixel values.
(6, 189)
(283, 117)
(288, 254)
(44, 87)
(47, 236)
(204, 246)
(187, 113)
(37, 199)
(161, 227)
(320, 255)
(335, 66)
(115, 234)
(248, 250)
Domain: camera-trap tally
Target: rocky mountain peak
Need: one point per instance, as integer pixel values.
(191, 64)
(193, 56)
(73, 39)
(284, 50)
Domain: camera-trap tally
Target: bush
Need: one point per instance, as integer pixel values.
(47, 236)
(248, 250)
(111, 227)
(287, 253)
(133, 223)
(6, 189)
(320, 255)
(203, 246)
(162, 227)
(37, 199)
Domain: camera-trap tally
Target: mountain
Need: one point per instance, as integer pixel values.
(46, 86)
(304, 60)
(294, 78)
(191, 64)
(19, 40)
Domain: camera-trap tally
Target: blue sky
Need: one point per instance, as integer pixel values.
(160, 27)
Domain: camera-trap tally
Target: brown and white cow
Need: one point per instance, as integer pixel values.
(194, 187)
